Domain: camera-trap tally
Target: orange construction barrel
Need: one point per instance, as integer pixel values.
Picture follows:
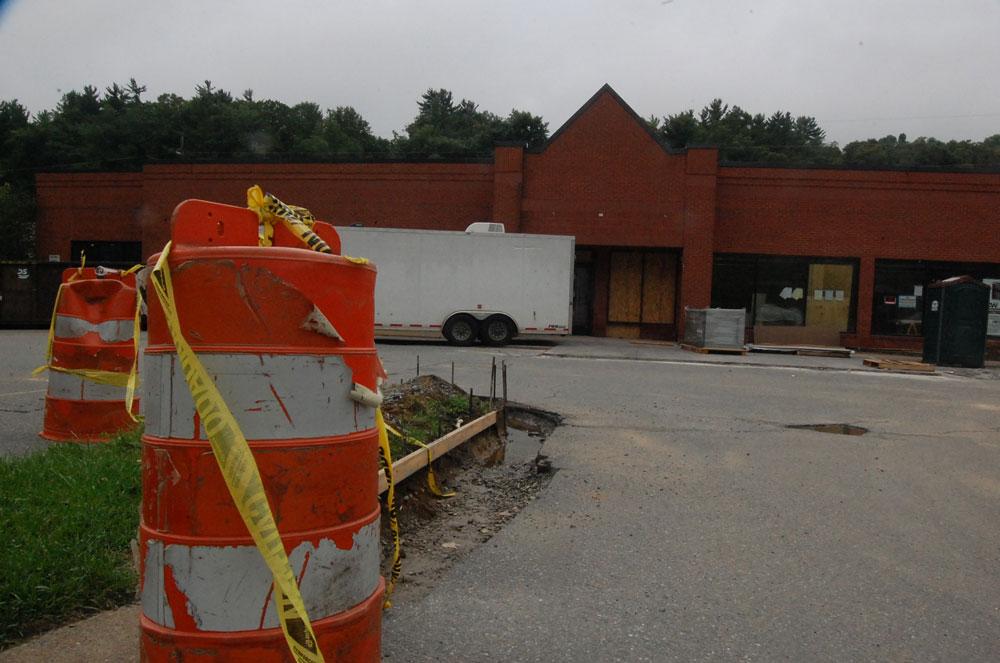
(286, 334)
(92, 352)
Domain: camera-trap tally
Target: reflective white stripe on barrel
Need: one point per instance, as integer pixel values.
(110, 331)
(229, 588)
(272, 396)
(76, 388)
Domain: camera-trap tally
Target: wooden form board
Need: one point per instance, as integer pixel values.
(417, 460)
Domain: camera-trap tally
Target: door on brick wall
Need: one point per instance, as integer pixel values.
(583, 297)
(642, 292)
(109, 254)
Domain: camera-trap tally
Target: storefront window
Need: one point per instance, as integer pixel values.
(780, 291)
(899, 299)
(897, 309)
(786, 291)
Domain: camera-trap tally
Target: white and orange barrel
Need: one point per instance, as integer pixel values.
(286, 334)
(92, 353)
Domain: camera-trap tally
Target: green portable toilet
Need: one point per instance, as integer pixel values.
(955, 315)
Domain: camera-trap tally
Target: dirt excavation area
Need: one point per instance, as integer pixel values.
(487, 479)
(493, 476)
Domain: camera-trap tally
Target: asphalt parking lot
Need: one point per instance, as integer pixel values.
(687, 522)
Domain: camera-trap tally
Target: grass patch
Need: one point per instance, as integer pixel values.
(67, 515)
(429, 419)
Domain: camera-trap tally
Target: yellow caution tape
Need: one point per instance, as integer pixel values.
(52, 332)
(385, 456)
(133, 373)
(298, 220)
(241, 475)
(79, 270)
(94, 375)
(432, 483)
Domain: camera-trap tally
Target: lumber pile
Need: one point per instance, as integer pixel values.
(804, 350)
(713, 351)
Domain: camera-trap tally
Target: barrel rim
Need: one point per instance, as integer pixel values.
(182, 253)
(286, 444)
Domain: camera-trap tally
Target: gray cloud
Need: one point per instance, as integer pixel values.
(862, 68)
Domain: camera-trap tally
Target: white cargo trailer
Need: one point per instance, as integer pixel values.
(482, 283)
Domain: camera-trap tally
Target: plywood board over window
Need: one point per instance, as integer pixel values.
(829, 296)
(642, 294)
(659, 285)
(625, 287)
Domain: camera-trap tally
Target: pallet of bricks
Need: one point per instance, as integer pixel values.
(714, 330)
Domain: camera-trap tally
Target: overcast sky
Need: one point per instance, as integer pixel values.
(863, 68)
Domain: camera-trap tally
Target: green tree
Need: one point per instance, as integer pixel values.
(17, 223)
(742, 137)
(444, 129)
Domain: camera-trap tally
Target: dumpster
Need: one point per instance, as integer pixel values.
(954, 322)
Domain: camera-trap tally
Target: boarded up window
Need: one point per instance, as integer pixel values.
(658, 287)
(642, 287)
(828, 302)
(625, 293)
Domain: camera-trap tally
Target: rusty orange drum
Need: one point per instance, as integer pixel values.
(92, 340)
(286, 334)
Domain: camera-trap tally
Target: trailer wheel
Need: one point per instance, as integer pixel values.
(461, 329)
(496, 330)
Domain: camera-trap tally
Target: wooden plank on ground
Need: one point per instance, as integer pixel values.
(417, 460)
(713, 351)
(888, 364)
(804, 350)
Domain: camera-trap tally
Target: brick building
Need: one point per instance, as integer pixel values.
(818, 256)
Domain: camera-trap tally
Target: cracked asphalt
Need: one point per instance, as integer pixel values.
(685, 522)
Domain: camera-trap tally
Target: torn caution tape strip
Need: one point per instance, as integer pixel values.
(242, 477)
(385, 457)
(432, 482)
(298, 220)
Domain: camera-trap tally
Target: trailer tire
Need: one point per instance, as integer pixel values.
(497, 330)
(461, 329)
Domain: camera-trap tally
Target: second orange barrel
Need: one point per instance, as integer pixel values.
(92, 339)
(286, 334)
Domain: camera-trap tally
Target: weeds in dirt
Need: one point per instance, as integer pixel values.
(428, 417)
(67, 516)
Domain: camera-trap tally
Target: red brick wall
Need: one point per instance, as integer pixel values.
(864, 214)
(933, 216)
(438, 196)
(601, 178)
(699, 232)
(605, 180)
(508, 179)
(87, 206)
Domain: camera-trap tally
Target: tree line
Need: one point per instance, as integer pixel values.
(120, 130)
(780, 139)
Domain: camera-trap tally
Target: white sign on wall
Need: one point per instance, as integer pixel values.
(993, 323)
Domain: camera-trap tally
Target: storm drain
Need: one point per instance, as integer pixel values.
(836, 429)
